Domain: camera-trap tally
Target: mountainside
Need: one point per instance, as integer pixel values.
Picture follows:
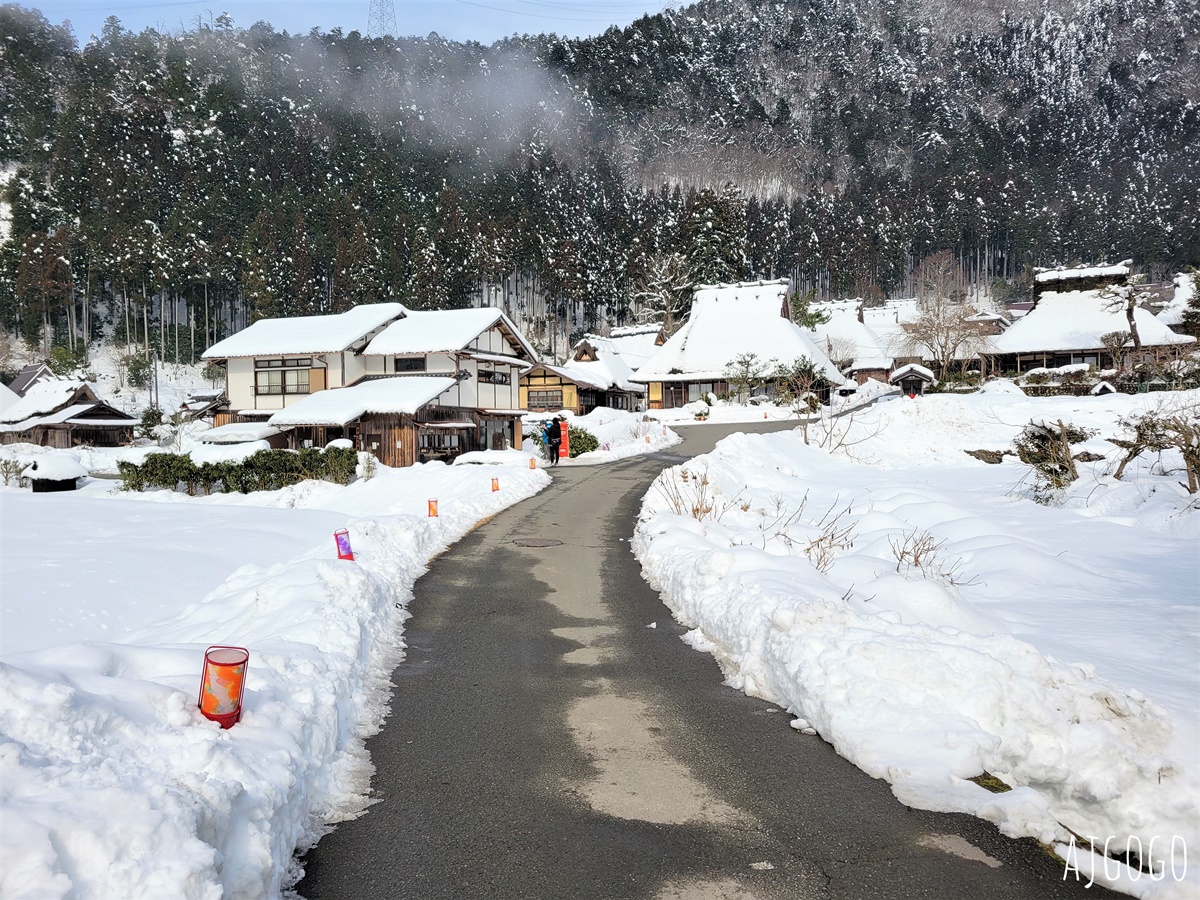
(209, 177)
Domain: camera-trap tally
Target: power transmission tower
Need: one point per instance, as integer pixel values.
(382, 20)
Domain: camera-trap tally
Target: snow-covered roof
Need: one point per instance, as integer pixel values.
(579, 376)
(303, 335)
(45, 397)
(443, 331)
(402, 394)
(239, 433)
(912, 369)
(1049, 276)
(1075, 320)
(610, 369)
(727, 321)
(7, 397)
(634, 343)
(55, 467)
(844, 336)
(1172, 314)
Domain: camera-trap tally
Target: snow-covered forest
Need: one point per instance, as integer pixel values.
(170, 188)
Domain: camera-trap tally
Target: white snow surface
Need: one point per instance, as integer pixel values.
(41, 398)
(1054, 647)
(441, 331)
(55, 467)
(301, 335)
(7, 397)
(114, 784)
(1076, 320)
(1110, 271)
(726, 322)
(398, 394)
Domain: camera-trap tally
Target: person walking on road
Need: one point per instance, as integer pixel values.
(553, 439)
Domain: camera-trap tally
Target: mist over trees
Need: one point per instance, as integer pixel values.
(171, 188)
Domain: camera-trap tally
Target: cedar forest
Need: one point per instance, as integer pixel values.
(166, 189)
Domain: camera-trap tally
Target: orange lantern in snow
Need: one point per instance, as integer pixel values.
(222, 684)
(433, 514)
(495, 485)
(342, 538)
(532, 463)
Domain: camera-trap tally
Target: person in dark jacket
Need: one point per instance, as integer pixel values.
(553, 437)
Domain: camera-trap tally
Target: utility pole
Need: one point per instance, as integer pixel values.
(382, 20)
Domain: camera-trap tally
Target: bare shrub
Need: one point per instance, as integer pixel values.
(920, 550)
(1046, 447)
(695, 495)
(1169, 426)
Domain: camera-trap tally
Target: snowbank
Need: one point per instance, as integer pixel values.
(114, 783)
(920, 612)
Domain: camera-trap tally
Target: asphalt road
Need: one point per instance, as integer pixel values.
(545, 742)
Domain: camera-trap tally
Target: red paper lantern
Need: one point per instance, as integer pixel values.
(222, 684)
(342, 538)
(433, 513)
(495, 485)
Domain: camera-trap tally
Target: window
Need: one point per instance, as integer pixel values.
(282, 376)
(281, 381)
(545, 399)
(410, 364)
(487, 376)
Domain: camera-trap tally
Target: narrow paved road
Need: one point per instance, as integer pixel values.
(546, 742)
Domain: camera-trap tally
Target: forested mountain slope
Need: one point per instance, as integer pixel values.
(228, 173)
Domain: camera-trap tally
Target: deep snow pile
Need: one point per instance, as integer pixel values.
(918, 610)
(114, 785)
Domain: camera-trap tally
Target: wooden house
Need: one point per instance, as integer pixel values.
(64, 413)
(275, 363)
(1067, 328)
(405, 385)
(727, 321)
(597, 375)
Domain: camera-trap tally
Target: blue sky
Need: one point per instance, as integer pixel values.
(480, 20)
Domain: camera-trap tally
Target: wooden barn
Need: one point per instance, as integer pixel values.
(64, 413)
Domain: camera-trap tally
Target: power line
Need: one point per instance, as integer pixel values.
(382, 20)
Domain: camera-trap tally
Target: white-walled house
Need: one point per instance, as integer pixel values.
(276, 362)
(405, 385)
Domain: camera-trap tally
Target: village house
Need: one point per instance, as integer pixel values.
(597, 375)
(62, 412)
(1073, 310)
(727, 321)
(276, 362)
(30, 375)
(408, 386)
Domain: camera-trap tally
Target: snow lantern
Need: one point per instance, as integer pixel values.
(495, 485)
(532, 463)
(342, 538)
(433, 513)
(222, 684)
(647, 439)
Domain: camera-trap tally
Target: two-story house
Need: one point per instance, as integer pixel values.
(406, 385)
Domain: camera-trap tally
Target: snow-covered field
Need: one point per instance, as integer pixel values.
(109, 600)
(1054, 647)
(113, 783)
